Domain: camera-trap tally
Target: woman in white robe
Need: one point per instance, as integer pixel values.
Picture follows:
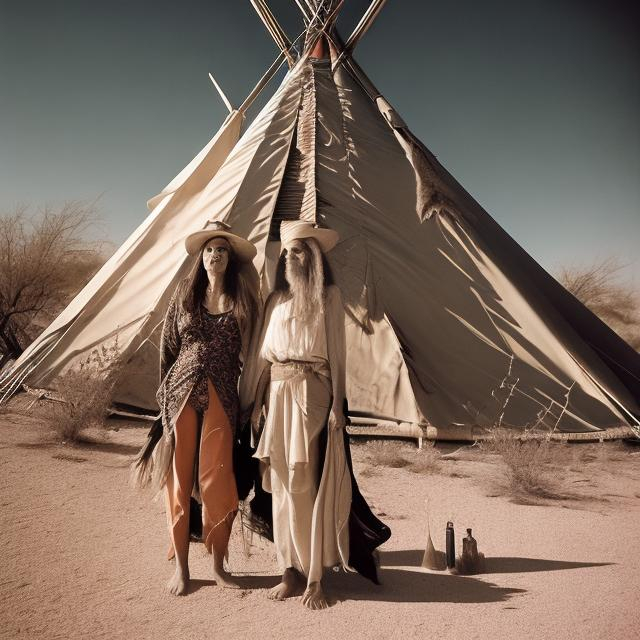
(300, 354)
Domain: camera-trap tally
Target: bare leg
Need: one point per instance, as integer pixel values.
(313, 597)
(222, 577)
(292, 584)
(179, 486)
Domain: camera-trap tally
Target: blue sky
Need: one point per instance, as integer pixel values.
(533, 106)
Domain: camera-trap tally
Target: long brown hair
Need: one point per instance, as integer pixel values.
(240, 285)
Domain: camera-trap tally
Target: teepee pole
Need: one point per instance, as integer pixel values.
(314, 12)
(331, 18)
(313, 9)
(270, 72)
(276, 26)
(222, 94)
(272, 26)
(362, 27)
(365, 23)
(306, 16)
(356, 72)
(324, 29)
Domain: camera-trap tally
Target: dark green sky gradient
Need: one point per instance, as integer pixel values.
(533, 105)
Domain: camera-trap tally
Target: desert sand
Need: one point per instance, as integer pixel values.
(84, 554)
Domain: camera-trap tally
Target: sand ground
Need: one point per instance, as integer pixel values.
(83, 554)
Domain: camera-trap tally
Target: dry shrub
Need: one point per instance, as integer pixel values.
(87, 389)
(600, 289)
(426, 460)
(529, 466)
(382, 453)
(387, 454)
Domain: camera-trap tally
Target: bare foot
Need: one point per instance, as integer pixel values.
(224, 579)
(179, 582)
(313, 597)
(290, 585)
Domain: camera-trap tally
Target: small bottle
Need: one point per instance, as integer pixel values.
(450, 546)
(469, 548)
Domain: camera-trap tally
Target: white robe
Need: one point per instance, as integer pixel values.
(310, 518)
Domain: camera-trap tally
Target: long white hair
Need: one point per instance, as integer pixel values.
(306, 285)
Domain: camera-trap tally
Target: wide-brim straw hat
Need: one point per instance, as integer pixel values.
(291, 230)
(244, 250)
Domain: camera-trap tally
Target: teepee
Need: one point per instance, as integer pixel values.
(450, 323)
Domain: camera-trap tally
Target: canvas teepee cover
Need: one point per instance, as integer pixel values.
(449, 321)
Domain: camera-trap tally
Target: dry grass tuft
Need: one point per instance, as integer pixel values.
(530, 467)
(387, 454)
(381, 453)
(86, 389)
(426, 460)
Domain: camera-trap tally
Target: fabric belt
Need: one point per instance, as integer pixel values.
(292, 368)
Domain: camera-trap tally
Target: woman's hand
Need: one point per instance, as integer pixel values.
(337, 420)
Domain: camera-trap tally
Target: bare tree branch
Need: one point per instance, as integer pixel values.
(45, 259)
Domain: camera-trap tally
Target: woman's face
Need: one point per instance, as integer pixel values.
(215, 256)
(297, 253)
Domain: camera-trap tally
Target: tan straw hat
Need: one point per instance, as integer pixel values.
(244, 249)
(291, 230)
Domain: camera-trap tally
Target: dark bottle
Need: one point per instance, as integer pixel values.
(469, 548)
(451, 546)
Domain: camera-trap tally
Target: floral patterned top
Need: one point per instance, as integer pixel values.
(195, 347)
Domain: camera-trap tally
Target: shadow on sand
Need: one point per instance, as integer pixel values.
(45, 444)
(86, 444)
(105, 446)
(413, 558)
(243, 582)
(406, 585)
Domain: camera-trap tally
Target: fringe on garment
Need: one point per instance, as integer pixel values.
(152, 463)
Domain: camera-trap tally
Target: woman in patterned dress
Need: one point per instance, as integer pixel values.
(207, 328)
